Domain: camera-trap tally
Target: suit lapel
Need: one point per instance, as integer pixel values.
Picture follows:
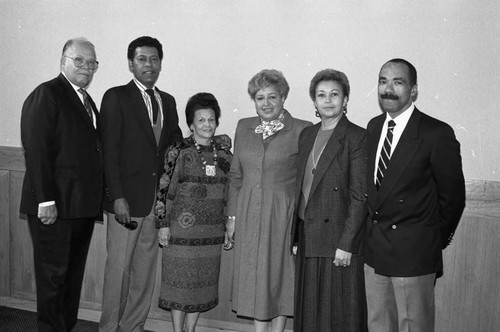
(164, 108)
(374, 131)
(307, 144)
(251, 132)
(94, 110)
(403, 154)
(75, 100)
(140, 111)
(329, 153)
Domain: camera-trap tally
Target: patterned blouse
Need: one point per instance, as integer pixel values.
(185, 175)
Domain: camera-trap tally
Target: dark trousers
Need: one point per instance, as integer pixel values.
(60, 253)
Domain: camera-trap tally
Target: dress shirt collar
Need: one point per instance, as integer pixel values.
(401, 120)
(75, 87)
(142, 87)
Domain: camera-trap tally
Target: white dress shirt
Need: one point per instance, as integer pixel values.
(401, 122)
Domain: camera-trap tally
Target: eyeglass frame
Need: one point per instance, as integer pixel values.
(85, 61)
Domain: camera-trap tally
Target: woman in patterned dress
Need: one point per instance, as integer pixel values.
(191, 210)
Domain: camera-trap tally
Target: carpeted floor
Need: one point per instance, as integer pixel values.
(17, 320)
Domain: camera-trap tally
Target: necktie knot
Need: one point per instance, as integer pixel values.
(154, 103)
(83, 92)
(150, 92)
(391, 124)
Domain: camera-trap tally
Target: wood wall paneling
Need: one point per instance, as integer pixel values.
(4, 233)
(21, 248)
(467, 296)
(11, 158)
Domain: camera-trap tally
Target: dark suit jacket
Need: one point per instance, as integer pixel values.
(336, 208)
(133, 161)
(414, 213)
(62, 152)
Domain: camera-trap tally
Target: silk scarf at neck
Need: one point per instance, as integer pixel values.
(269, 128)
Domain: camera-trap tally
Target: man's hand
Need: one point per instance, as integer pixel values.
(47, 214)
(122, 214)
(121, 209)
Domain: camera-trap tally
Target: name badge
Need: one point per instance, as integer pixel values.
(210, 170)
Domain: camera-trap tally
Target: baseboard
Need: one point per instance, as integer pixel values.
(153, 322)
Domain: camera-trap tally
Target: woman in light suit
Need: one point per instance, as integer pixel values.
(261, 205)
(330, 211)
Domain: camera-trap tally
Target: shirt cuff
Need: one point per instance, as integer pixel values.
(48, 203)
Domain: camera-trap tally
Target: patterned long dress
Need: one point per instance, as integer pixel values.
(195, 206)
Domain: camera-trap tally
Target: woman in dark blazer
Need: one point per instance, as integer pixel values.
(330, 211)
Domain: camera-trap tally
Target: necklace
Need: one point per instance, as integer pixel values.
(210, 170)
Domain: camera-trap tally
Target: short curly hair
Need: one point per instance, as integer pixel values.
(329, 75)
(144, 41)
(200, 101)
(265, 78)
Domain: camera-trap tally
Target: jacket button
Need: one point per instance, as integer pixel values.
(376, 212)
(394, 226)
(336, 189)
(401, 201)
(375, 221)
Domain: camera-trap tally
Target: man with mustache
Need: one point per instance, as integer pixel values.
(416, 196)
(138, 123)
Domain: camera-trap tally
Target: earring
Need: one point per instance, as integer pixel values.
(317, 114)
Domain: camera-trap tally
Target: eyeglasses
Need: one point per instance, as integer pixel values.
(80, 62)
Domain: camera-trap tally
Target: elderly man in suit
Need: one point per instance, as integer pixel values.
(62, 187)
(416, 196)
(138, 123)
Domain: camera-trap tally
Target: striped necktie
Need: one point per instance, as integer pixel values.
(154, 104)
(385, 154)
(86, 103)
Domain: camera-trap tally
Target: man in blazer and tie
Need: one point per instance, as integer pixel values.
(63, 184)
(416, 196)
(138, 123)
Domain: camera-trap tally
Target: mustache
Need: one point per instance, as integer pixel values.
(389, 96)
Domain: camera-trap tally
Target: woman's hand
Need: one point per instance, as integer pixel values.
(164, 236)
(229, 234)
(342, 258)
